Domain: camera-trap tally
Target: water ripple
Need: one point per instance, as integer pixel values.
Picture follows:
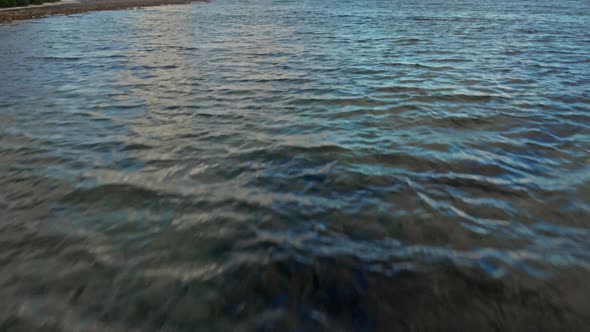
(284, 165)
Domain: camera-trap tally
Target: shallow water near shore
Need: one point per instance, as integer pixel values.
(297, 166)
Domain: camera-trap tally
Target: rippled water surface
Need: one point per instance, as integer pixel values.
(296, 166)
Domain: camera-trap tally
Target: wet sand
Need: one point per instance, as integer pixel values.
(81, 6)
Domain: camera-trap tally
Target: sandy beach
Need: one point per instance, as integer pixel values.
(69, 7)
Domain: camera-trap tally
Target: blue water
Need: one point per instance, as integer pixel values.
(297, 166)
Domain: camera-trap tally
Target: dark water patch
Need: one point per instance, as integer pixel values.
(456, 98)
(119, 194)
(58, 58)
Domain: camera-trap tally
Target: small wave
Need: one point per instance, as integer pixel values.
(112, 194)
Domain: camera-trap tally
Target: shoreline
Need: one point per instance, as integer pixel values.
(47, 4)
(69, 7)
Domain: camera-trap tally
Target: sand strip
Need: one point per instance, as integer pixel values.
(69, 7)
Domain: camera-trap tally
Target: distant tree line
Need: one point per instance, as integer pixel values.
(19, 3)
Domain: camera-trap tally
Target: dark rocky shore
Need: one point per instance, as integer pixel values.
(80, 7)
